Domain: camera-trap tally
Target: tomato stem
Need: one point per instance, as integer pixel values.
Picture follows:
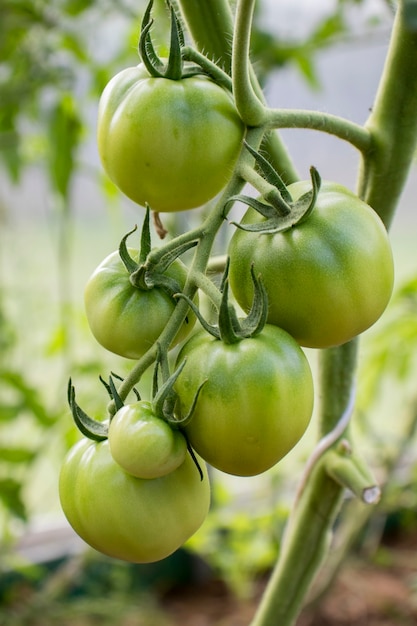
(211, 27)
(344, 129)
(250, 106)
(392, 123)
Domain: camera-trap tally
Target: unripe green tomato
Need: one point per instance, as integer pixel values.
(127, 320)
(170, 143)
(143, 444)
(256, 401)
(133, 519)
(328, 278)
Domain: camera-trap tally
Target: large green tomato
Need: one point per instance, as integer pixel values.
(127, 320)
(169, 143)
(143, 444)
(328, 278)
(130, 518)
(256, 402)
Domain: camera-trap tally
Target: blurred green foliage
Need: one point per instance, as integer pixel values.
(55, 58)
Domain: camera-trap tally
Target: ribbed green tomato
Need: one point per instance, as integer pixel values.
(143, 444)
(256, 402)
(169, 143)
(127, 320)
(131, 518)
(328, 278)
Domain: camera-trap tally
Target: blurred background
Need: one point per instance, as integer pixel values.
(60, 216)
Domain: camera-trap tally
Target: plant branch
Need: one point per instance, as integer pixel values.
(392, 124)
(251, 108)
(211, 27)
(355, 134)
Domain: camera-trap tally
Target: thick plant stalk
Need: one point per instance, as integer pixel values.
(211, 25)
(308, 532)
(385, 165)
(392, 123)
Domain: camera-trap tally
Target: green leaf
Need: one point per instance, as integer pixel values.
(16, 455)
(28, 397)
(64, 128)
(10, 495)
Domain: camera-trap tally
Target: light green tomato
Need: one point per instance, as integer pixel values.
(256, 401)
(328, 278)
(127, 320)
(143, 444)
(130, 518)
(170, 143)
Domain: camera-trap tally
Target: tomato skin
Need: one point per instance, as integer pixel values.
(127, 320)
(130, 518)
(169, 143)
(256, 403)
(143, 444)
(329, 278)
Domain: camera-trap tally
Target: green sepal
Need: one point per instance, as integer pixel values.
(144, 275)
(257, 317)
(274, 222)
(145, 237)
(230, 328)
(112, 391)
(169, 257)
(130, 264)
(211, 329)
(173, 68)
(89, 427)
(193, 456)
(164, 401)
(165, 398)
(272, 177)
(147, 52)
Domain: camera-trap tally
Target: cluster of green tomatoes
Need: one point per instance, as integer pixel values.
(139, 491)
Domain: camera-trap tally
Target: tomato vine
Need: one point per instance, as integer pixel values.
(386, 145)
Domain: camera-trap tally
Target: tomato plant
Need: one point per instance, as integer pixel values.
(169, 143)
(255, 404)
(126, 319)
(170, 136)
(133, 519)
(144, 444)
(328, 278)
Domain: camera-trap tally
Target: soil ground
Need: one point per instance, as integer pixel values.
(363, 594)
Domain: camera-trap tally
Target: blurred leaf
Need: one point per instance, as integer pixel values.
(16, 455)
(392, 350)
(64, 129)
(28, 396)
(10, 495)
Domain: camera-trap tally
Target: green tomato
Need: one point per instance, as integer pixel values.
(328, 278)
(127, 320)
(169, 143)
(143, 444)
(130, 518)
(256, 402)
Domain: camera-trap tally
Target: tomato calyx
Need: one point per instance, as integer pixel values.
(277, 206)
(145, 275)
(163, 406)
(89, 427)
(230, 329)
(173, 68)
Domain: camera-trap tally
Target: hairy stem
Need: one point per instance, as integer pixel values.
(392, 124)
(249, 105)
(211, 25)
(385, 164)
(355, 134)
